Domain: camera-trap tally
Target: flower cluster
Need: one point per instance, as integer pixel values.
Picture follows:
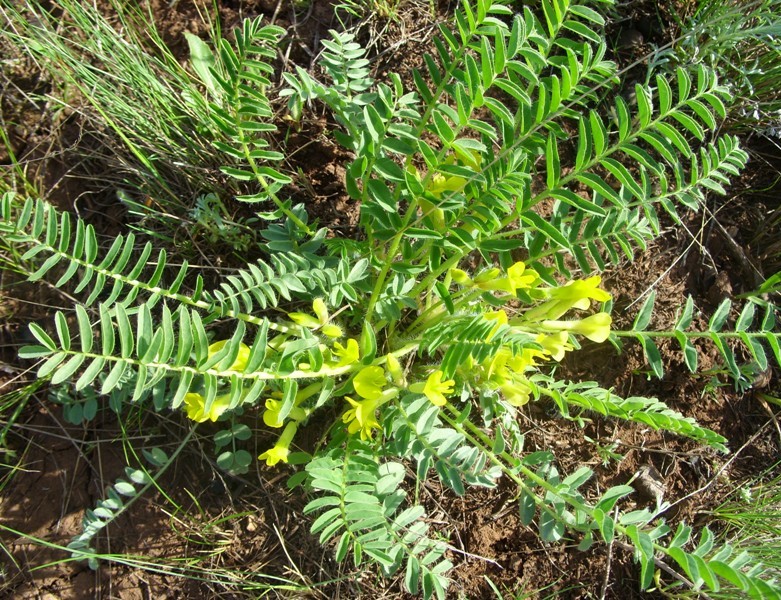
(369, 384)
(337, 356)
(505, 372)
(549, 335)
(553, 303)
(575, 294)
(518, 277)
(578, 294)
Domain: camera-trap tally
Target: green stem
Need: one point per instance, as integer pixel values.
(480, 440)
(461, 299)
(694, 335)
(151, 289)
(264, 184)
(413, 205)
(246, 151)
(254, 376)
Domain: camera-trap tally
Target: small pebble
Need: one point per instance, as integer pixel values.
(650, 483)
(630, 39)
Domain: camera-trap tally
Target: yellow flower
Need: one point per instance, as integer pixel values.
(518, 277)
(439, 184)
(596, 327)
(281, 450)
(576, 294)
(435, 389)
(522, 278)
(349, 354)
(195, 406)
(272, 412)
(369, 381)
(504, 363)
(581, 289)
(275, 455)
(525, 360)
(361, 416)
(271, 416)
(555, 344)
(516, 392)
(496, 368)
(241, 358)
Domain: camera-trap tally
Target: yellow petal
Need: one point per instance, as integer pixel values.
(242, 357)
(368, 383)
(596, 327)
(516, 393)
(320, 310)
(435, 389)
(280, 451)
(218, 407)
(275, 455)
(555, 344)
(348, 354)
(193, 405)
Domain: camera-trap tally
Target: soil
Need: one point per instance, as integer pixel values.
(211, 526)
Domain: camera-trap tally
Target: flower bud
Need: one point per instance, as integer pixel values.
(596, 327)
(393, 366)
(461, 277)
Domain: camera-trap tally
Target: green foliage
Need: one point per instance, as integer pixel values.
(429, 314)
(12, 405)
(707, 563)
(232, 460)
(363, 503)
(165, 123)
(119, 277)
(649, 411)
(118, 499)
(416, 432)
(754, 331)
(741, 43)
(749, 516)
